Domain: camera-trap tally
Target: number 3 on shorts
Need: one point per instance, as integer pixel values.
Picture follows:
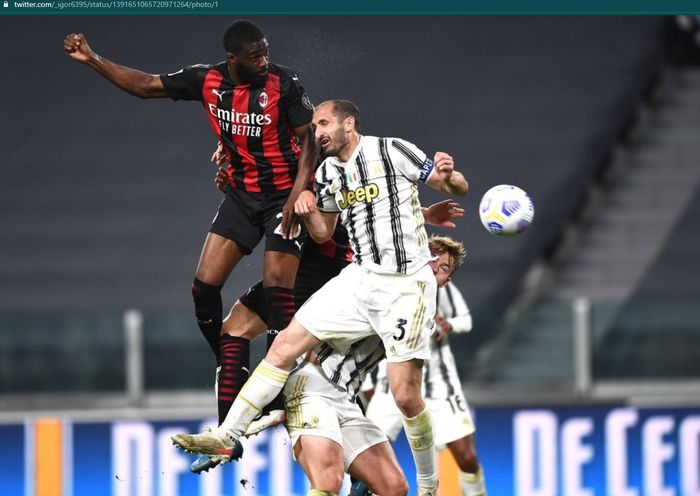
(400, 323)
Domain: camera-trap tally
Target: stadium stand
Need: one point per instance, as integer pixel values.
(632, 258)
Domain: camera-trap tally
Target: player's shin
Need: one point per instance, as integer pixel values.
(281, 307)
(419, 431)
(264, 385)
(235, 361)
(208, 310)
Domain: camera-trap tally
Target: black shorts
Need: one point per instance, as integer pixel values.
(313, 273)
(245, 217)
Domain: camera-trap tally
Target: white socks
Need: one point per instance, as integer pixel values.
(472, 484)
(260, 389)
(419, 431)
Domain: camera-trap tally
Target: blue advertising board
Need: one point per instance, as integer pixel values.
(578, 451)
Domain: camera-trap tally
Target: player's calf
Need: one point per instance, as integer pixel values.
(208, 310)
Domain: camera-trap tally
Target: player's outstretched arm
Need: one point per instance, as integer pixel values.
(130, 80)
(320, 225)
(308, 157)
(445, 178)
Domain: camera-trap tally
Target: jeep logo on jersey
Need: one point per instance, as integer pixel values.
(263, 99)
(362, 194)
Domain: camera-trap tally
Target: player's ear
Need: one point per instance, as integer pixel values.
(349, 123)
(231, 57)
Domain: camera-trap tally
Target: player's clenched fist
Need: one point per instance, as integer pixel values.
(443, 162)
(305, 204)
(77, 48)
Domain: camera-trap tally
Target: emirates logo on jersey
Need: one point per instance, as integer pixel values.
(263, 99)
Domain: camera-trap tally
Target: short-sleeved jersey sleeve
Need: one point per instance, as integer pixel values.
(295, 101)
(410, 160)
(325, 187)
(187, 83)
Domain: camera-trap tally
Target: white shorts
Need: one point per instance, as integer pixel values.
(451, 417)
(358, 303)
(316, 407)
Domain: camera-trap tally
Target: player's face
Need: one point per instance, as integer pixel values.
(442, 268)
(330, 131)
(251, 62)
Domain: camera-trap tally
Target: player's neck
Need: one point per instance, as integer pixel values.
(349, 149)
(233, 75)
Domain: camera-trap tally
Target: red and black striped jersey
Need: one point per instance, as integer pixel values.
(337, 248)
(254, 123)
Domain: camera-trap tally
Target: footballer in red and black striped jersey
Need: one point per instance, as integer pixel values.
(261, 115)
(254, 121)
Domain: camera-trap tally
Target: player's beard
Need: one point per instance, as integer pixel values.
(338, 141)
(250, 77)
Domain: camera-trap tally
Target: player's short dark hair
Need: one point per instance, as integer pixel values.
(241, 33)
(345, 108)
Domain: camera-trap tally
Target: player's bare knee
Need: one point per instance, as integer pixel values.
(279, 279)
(468, 462)
(464, 453)
(392, 484)
(282, 353)
(281, 274)
(329, 480)
(409, 401)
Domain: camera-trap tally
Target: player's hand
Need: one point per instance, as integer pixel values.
(305, 204)
(77, 48)
(221, 178)
(219, 156)
(290, 221)
(442, 213)
(443, 327)
(444, 165)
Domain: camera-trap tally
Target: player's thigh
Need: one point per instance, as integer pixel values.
(280, 268)
(378, 467)
(322, 462)
(218, 258)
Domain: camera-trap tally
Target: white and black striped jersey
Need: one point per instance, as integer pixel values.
(440, 378)
(349, 371)
(376, 194)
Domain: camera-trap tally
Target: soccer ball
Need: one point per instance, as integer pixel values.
(506, 210)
